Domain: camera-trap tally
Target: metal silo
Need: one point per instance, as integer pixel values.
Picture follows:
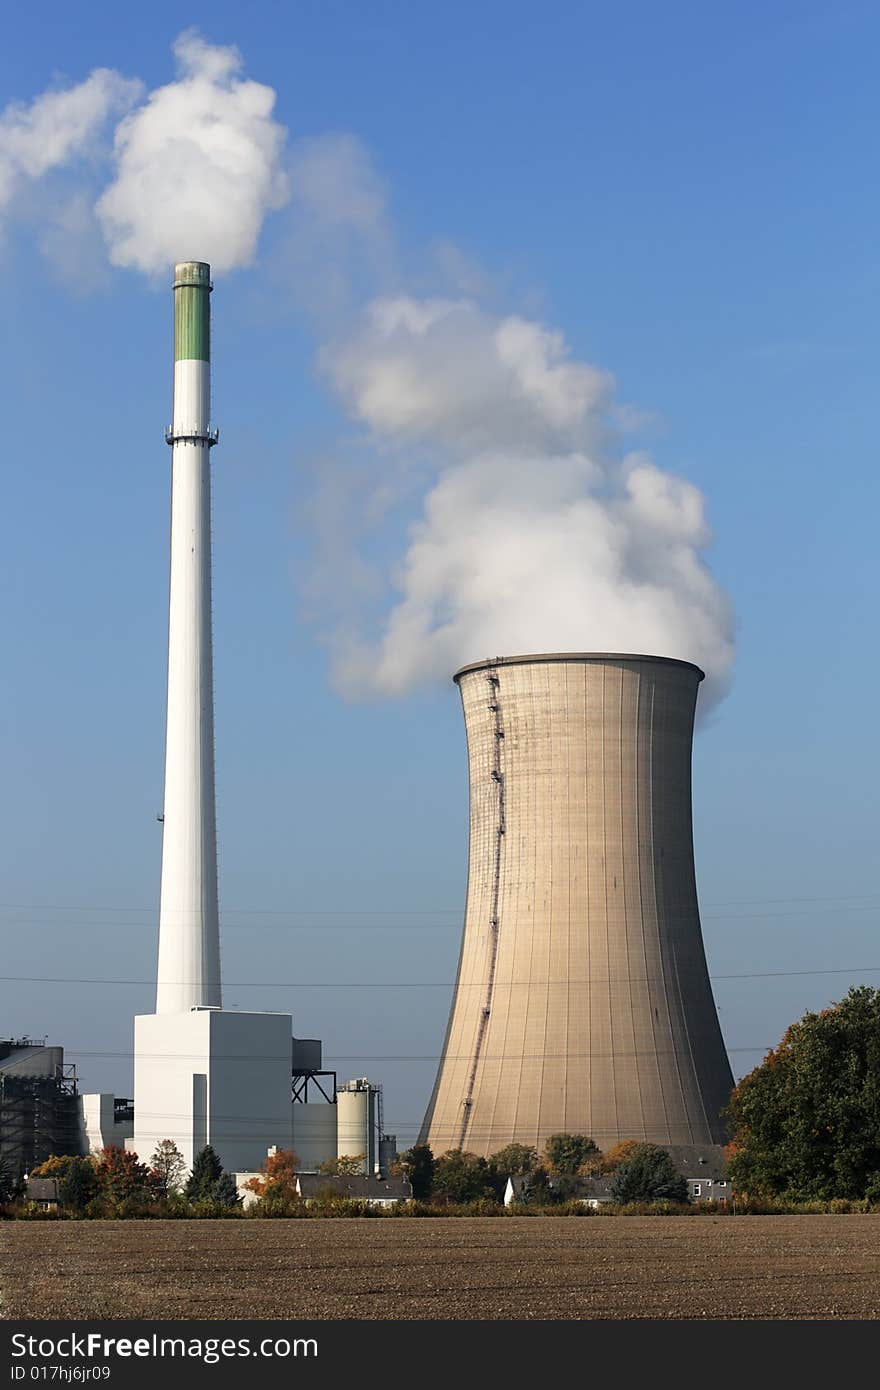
(357, 1122)
(582, 1002)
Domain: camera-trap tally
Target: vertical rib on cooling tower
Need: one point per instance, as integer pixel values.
(582, 1003)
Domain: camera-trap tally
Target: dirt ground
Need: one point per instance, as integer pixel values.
(511, 1267)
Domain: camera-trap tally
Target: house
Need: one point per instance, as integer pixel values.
(379, 1192)
(704, 1167)
(590, 1192)
(246, 1195)
(43, 1191)
(594, 1192)
(517, 1189)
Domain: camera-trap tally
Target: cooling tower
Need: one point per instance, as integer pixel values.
(582, 1003)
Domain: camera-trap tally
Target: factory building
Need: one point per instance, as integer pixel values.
(38, 1105)
(105, 1120)
(582, 1002)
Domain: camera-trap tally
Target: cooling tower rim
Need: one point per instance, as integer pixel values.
(542, 658)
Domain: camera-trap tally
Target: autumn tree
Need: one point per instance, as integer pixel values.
(612, 1158)
(169, 1167)
(806, 1122)
(277, 1178)
(54, 1167)
(648, 1175)
(417, 1165)
(566, 1154)
(123, 1178)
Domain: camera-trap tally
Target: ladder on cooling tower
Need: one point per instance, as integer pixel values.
(497, 777)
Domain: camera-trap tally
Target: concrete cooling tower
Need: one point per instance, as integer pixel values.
(582, 1003)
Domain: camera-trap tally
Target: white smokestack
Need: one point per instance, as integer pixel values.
(189, 930)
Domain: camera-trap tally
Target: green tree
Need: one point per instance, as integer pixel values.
(568, 1153)
(648, 1175)
(806, 1122)
(224, 1191)
(418, 1166)
(80, 1182)
(462, 1177)
(168, 1167)
(515, 1160)
(7, 1179)
(206, 1171)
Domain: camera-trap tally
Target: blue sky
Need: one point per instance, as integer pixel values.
(689, 198)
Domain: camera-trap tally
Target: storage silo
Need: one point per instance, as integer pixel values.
(357, 1122)
(582, 1002)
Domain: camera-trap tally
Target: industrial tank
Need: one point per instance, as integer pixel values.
(582, 1002)
(357, 1122)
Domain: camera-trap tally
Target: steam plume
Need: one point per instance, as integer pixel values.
(535, 534)
(58, 127)
(198, 166)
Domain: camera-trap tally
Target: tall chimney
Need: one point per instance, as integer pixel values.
(583, 1003)
(189, 931)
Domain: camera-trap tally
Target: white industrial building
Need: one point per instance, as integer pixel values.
(104, 1120)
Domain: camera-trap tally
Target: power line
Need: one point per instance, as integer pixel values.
(152, 911)
(414, 1057)
(434, 984)
(407, 926)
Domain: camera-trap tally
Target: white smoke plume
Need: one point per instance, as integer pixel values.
(198, 166)
(58, 127)
(536, 535)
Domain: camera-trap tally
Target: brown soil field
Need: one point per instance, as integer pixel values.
(442, 1268)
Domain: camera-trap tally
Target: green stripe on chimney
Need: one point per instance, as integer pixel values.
(192, 311)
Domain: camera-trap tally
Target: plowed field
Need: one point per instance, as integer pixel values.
(512, 1267)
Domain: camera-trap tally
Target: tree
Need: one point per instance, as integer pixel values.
(277, 1178)
(568, 1153)
(206, 1171)
(515, 1160)
(122, 1177)
(462, 1177)
(7, 1180)
(79, 1183)
(620, 1153)
(806, 1122)
(224, 1190)
(345, 1166)
(648, 1175)
(54, 1167)
(417, 1165)
(168, 1167)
